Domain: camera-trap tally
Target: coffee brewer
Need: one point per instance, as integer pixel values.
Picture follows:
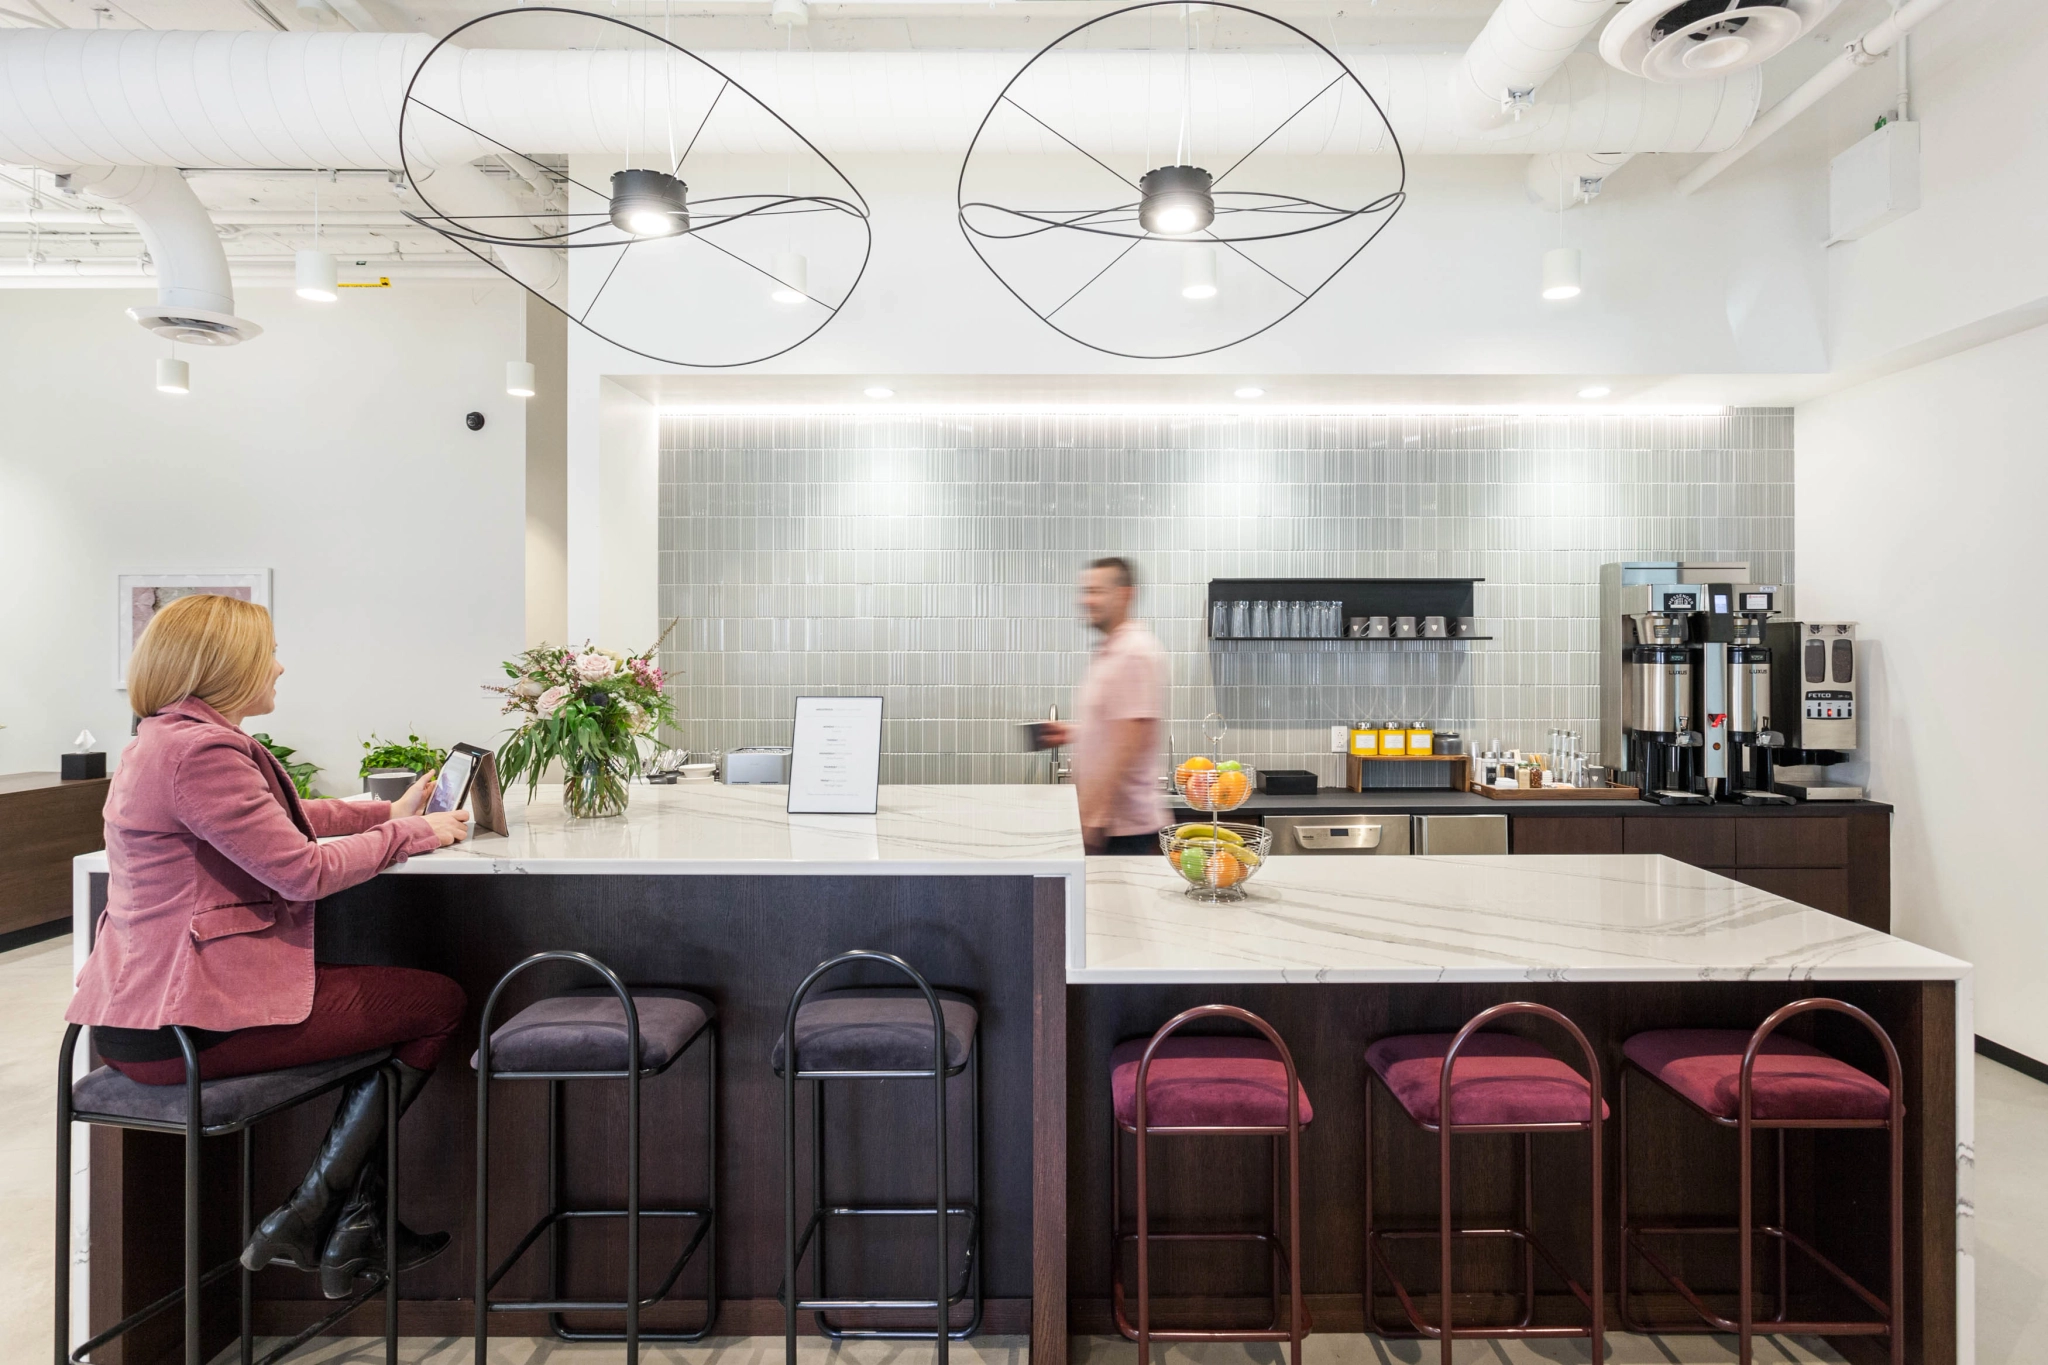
(1660, 739)
(1736, 702)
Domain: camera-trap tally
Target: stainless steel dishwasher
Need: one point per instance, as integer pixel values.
(1343, 833)
(1453, 834)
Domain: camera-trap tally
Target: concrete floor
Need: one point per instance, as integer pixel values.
(2012, 1246)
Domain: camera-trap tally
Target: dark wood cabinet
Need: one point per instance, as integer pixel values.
(1792, 841)
(1703, 841)
(1564, 834)
(44, 823)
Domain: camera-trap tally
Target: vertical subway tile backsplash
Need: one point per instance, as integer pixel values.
(931, 559)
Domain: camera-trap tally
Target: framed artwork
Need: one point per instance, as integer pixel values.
(140, 596)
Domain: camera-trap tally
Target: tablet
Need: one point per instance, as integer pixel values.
(458, 770)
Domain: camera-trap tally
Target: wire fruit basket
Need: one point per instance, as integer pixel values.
(1215, 858)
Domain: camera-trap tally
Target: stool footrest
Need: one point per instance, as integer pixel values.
(705, 1220)
(1712, 1322)
(1420, 1328)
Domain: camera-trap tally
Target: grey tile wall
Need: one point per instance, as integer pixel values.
(931, 558)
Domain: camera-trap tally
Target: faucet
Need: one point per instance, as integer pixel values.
(1061, 770)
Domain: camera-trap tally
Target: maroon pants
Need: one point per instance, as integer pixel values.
(355, 1009)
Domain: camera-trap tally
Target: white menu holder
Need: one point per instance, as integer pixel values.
(836, 761)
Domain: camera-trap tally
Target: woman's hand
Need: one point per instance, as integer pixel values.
(450, 826)
(415, 799)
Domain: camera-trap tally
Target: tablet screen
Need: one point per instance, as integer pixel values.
(453, 785)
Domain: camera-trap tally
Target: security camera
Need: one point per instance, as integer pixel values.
(474, 421)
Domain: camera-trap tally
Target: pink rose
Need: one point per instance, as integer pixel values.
(551, 701)
(593, 667)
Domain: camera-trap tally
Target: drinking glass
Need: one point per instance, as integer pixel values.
(1240, 620)
(1295, 628)
(1219, 620)
(1262, 620)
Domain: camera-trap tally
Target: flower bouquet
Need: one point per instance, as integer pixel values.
(592, 710)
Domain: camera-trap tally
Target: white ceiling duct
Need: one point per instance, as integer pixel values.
(195, 299)
(260, 100)
(1702, 40)
(1523, 45)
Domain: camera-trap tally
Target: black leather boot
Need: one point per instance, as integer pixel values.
(355, 1246)
(296, 1230)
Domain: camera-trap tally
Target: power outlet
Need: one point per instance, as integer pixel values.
(1340, 739)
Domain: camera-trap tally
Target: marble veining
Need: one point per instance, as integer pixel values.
(710, 827)
(1633, 918)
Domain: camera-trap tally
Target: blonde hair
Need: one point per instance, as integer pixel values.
(218, 649)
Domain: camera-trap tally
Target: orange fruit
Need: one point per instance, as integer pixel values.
(1225, 869)
(1198, 763)
(1232, 788)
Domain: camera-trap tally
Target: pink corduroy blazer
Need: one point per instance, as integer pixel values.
(213, 868)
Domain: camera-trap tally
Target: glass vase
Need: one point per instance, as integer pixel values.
(595, 789)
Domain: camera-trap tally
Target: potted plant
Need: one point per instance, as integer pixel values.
(301, 774)
(384, 759)
(592, 710)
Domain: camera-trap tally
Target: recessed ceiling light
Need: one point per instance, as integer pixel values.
(878, 391)
(1251, 391)
(1595, 391)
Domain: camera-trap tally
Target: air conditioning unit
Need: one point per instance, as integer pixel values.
(1874, 182)
(1674, 41)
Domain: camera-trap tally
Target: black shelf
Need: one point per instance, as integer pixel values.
(1418, 597)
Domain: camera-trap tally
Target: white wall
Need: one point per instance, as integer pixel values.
(330, 450)
(1919, 500)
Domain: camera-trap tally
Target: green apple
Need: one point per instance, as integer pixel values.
(1229, 765)
(1194, 864)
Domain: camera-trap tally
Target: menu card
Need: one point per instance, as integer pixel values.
(836, 763)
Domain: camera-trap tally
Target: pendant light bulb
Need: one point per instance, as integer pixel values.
(519, 378)
(315, 273)
(1561, 273)
(1177, 201)
(792, 278)
(173, 376)
(1198, 273)
(649, 203)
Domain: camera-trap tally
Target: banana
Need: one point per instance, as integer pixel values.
(1227, 836)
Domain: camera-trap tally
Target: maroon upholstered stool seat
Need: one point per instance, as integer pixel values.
(1204, 1083)
(1791, 1079)
(1499, 1079)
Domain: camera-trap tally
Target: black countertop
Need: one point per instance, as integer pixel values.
(1331, 799)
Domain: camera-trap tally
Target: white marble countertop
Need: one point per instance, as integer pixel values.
(708, 827)
(1619, 918)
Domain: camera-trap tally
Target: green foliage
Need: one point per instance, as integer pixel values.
(591, 710)
(301, 774)
(415, 754)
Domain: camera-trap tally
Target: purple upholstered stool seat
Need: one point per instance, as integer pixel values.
(585, 1030)
(1204, 1082)
(1499, 1079)
(878, 1029)
(1791, 1080)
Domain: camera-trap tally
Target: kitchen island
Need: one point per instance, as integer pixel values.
(985, 888)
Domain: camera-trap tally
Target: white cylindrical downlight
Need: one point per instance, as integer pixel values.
(315, 275)
(1198, 273)
(173, 376)
(1561, 273)
(792, 278)
(519, 378)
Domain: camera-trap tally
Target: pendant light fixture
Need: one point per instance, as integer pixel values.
(792, 278)
(1177, 200)
(173, 375)
(519, 377)
(313, 269)
(649, 203)
(727, 239)
(1561, 273)
(1157, 167)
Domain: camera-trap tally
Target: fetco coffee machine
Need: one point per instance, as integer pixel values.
(1814, 692)
(1686, 681)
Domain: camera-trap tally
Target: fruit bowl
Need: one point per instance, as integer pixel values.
(1206, 785)
(1215, 860)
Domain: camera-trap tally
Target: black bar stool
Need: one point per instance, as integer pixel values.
(606, 1032)
(1751, 1082)
(900, 1033)
(204, 1109)
(1208, 1086)
(1502, 1084)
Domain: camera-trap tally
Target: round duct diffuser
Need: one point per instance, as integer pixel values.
(195, 326)
(1675, 41)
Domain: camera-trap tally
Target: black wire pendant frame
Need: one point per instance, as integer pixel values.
(1255, 218)
(573, 229)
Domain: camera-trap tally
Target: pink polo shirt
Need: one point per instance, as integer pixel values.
(1126, 680)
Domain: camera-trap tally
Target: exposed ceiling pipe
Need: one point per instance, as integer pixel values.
(461, 190)
(1523, 45)
(1864, 51)
(221, 217)
(195, 298)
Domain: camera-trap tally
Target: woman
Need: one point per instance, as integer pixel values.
(214, 864)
